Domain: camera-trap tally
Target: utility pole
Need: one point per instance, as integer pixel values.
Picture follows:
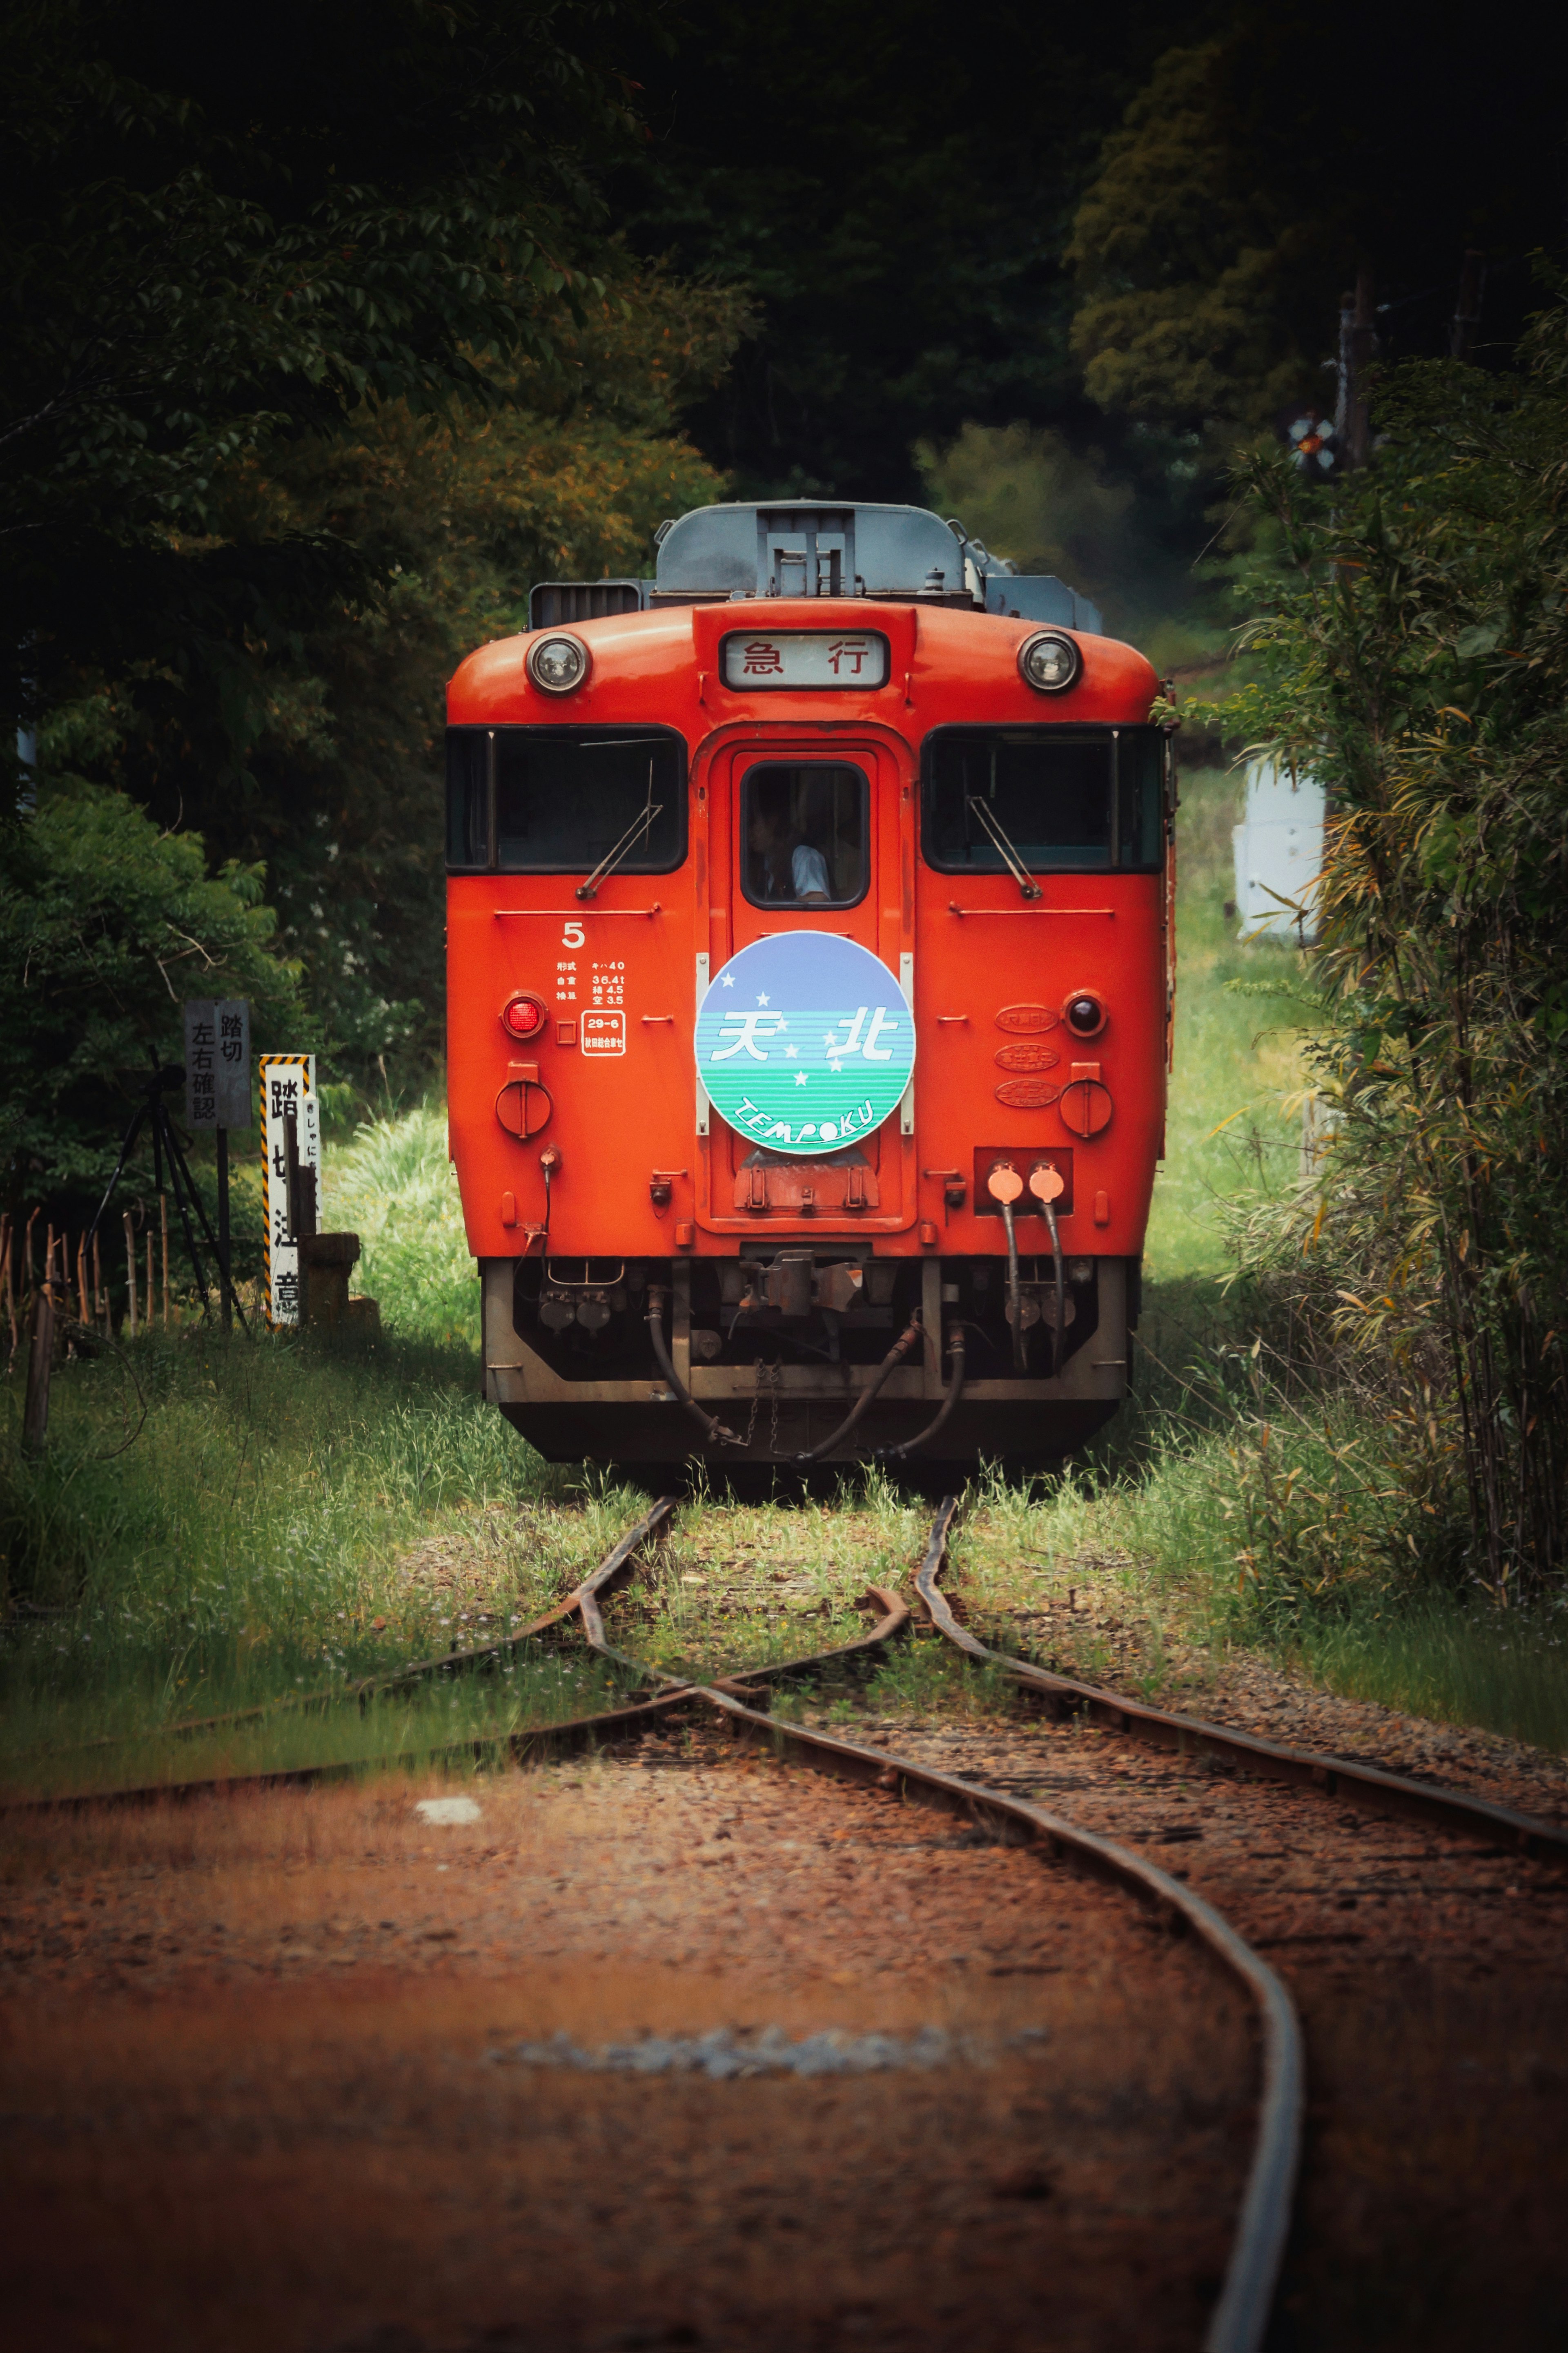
(1467, 309)
(1358, 340)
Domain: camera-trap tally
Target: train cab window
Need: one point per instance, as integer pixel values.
(561, 801)
(1065, 800)
(468, 799)
(804, 835)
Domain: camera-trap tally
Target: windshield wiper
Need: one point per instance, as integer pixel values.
(1014, 864)
(628, 842)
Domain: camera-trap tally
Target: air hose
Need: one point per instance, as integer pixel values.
(1014, 1295)
(1046, 1185)
(955, 1348)
(852, 1420)
(716, 1432)
(1059, 1336)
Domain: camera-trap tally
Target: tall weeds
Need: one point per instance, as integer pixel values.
(1414, 653)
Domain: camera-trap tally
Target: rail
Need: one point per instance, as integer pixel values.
(1329, 1776)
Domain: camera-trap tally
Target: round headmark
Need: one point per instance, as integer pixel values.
(804, 1042)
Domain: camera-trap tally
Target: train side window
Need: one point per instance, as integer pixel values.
(805, 834)
(1140, 793)
(468, 799)
(566, 799)
(1069, 801)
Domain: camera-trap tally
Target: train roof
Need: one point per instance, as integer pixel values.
(819, 547)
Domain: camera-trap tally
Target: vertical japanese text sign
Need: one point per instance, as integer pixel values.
(217, 1062)
(288, 1094)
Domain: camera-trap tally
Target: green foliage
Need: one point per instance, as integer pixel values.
(303, 727)
(1415, 658)
(1184, 252)
(201, 244)
(1031, 499)
(395, 1187)
(106, 925)
(1248, 184)
(894, 193)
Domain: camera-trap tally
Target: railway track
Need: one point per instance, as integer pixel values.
(963, 1778)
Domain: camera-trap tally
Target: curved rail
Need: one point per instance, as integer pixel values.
(603, 1579)
(1241, 2314)
(1392, 1793)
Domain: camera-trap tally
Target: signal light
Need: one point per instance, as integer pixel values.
(1049, 662)
(1084, 1013)
(523, 1016)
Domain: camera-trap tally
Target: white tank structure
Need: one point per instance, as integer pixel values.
(1278, 850)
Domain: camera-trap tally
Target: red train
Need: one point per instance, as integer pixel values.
(811, 976)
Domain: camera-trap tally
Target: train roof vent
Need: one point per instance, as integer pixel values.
(553, 601)
(811, 547)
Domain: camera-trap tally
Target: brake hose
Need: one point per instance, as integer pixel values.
(714, 1431)
(932, 1429)
(1046, 1185)
(899, 1349)
(1059, 1334)
(1015, 1295)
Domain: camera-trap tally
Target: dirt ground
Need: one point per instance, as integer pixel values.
(1427, 1966)
(277, 2075)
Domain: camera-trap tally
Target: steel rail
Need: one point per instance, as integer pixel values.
(1329, 1776)
(1241, 2314)
(368, 1687)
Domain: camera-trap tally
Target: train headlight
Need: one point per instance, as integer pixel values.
(1049, 662)
(1084, 1013)
(522, 1015)
(557, 665)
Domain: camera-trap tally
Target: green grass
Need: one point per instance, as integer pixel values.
(215, 1525)
(1463, 1664)
(394, 1186)
(1235, 1055)
(220, 1524)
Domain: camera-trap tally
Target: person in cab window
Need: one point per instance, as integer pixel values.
(787, 866)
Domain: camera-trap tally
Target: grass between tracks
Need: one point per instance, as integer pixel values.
(228, 1524)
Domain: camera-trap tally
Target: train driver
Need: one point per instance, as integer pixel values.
(790, 867)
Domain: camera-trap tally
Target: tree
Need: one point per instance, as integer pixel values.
(1411, 653)
(218, 230)
(106, 926)
(894, 191)
(1258, 169)
(295, 716)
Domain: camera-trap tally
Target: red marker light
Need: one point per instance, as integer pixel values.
(523, 1016)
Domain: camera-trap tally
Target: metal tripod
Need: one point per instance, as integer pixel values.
(152, 1112)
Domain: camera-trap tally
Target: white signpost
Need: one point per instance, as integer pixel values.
(291, 1152)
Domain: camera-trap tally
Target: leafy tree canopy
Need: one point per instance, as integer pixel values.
(295, 717)
(1411, 650)
(1257, 170)
(106, 926)
(214, 228)
(894, 189)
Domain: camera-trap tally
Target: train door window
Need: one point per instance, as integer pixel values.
(569, 798)
(468, 799)
(805, 834)
(1063, 801)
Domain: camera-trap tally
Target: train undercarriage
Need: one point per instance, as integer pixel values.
(793, 1353)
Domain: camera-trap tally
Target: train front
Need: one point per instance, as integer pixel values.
(810, 973)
